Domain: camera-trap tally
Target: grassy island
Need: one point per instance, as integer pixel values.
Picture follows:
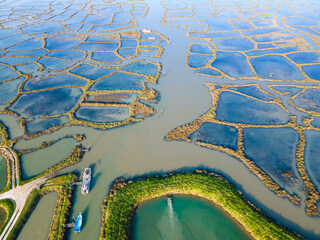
(125, 196)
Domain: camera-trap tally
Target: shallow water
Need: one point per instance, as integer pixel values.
(185, 218)
(140, 149)
(3, 172)
(38, 220)
(37, 162)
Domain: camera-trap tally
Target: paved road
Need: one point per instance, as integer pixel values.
(19, 195)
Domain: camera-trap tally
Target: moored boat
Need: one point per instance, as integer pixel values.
(86, 181)
(78, 223)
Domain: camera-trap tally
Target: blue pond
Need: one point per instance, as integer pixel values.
(10, 89)
(150, 43)
(61, 80)
(30, 44)
(129, 43)
(7, 73)
(91, 72)
(127, 52)
(200, 48)
(233, 64)
(309, 100)
(32, 53)
(122, 17)
(95, 20)
(42, 124)
(9, 41)
(252, 91)
(217, 134)
(234, 44)
(219, 24)
(312, 153)
(122, 81)
(316, 122)
(313, 71)
(47, 103)
(272, 149)
(242, 25)
(143, 67)
(54, 64)
(197, 60)
(276, 67)
(16, 60)
(71, 55)
(259, 31)
(233, 107)
(102, 114)
(63, 42)
(98, 46)
(28, 68)
(106, 57)
(43, 27)
(305, 57)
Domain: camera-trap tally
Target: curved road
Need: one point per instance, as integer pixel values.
(18, 194)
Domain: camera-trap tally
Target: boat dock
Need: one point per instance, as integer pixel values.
(69, 225)
(85, 183)
(76, 184)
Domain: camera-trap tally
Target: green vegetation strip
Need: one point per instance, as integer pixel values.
(61, 185)
(125, 196)
(8, 206)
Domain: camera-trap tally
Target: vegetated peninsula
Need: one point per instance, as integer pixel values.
(125, 196)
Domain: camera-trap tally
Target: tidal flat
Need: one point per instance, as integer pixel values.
(235, 84)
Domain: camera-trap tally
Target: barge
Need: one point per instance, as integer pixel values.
(86, 181)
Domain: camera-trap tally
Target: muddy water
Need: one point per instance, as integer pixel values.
(140, 148)
(37, 226)
(3, 172)
(50, 156)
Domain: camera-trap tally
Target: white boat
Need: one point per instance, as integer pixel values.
(86, 181)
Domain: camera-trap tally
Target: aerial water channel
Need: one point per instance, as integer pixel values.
(140, 149)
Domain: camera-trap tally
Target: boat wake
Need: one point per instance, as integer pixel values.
(169, 225)
(171, 213)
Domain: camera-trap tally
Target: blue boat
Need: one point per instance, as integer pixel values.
(78, 223)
